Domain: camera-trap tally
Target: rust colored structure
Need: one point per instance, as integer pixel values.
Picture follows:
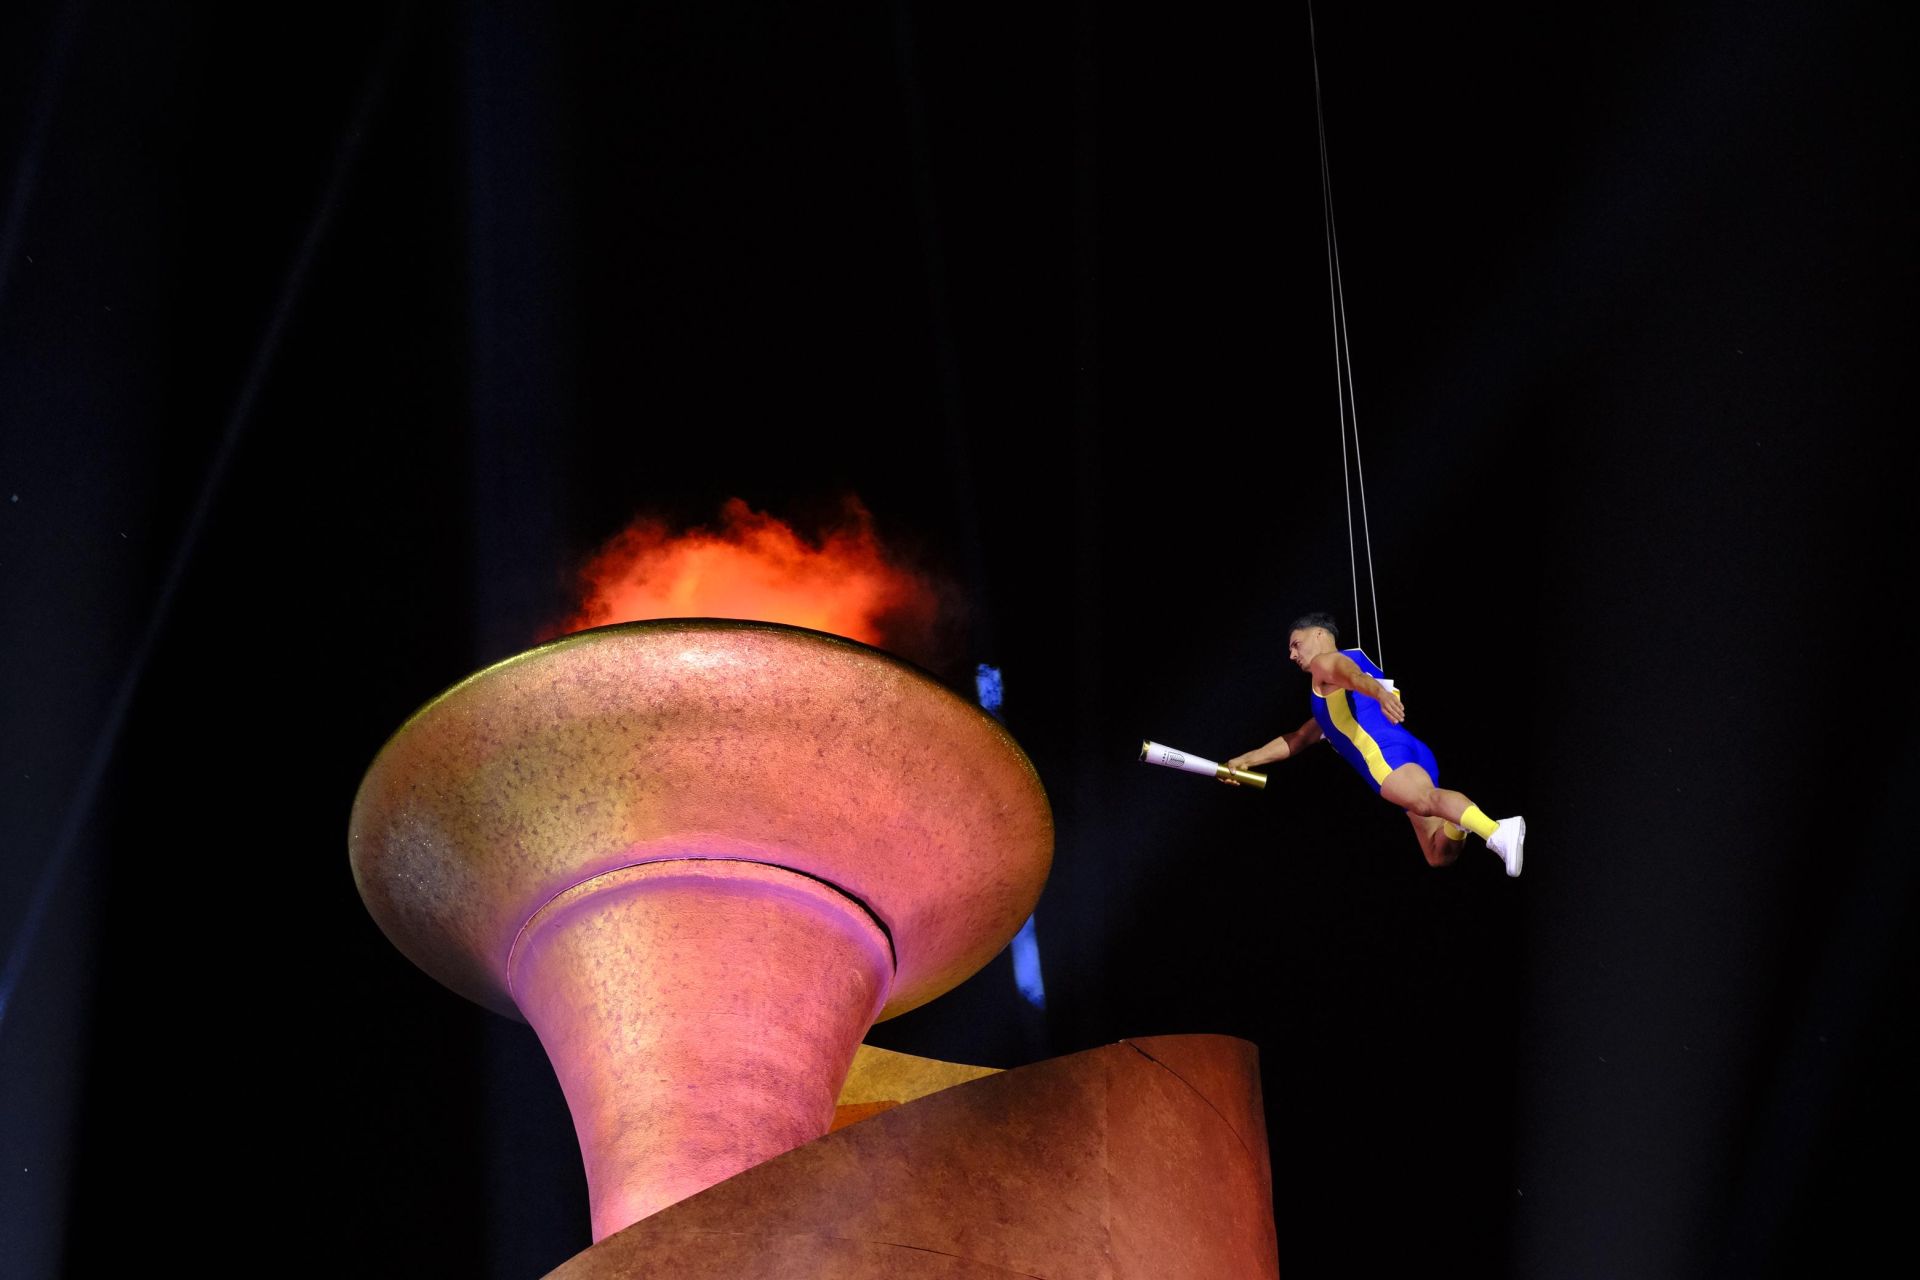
(1144, 1160)
(701, 858)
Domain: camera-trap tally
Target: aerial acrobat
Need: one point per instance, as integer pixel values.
(1366, 731)
(1355, 706)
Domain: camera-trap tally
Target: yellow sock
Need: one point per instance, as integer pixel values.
(1477, 822)
(1456, 834)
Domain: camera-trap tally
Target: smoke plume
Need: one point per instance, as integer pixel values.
(756, 566)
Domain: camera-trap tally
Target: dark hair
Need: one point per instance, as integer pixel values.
(1307, 621)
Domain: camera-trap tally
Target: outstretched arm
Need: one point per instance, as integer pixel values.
(1280, 748)
(1342, 672)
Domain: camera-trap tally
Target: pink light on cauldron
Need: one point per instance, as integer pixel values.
(700, 857)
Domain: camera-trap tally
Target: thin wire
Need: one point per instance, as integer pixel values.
(1347, 407)
(1359, 463)
(1333, 300)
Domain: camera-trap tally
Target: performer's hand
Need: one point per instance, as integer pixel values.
(1390, 703)
(1239, 762)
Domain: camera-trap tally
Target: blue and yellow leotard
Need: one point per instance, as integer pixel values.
(1360, 731)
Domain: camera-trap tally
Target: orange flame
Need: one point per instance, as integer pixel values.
(755, 566)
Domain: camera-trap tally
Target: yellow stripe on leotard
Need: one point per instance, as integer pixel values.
(1369, 749)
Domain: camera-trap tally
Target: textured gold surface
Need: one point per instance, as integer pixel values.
(881, 1075)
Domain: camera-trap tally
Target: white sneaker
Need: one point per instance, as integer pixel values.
(1509, 834)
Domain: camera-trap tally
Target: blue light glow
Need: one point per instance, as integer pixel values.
(1026, 944)
(1026, 966)
(986, 680)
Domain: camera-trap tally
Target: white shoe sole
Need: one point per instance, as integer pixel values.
(1515, 845)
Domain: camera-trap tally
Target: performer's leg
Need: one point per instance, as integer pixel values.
(1440, 840)
(1412, 788)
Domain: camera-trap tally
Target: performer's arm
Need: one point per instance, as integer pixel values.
(1339, 670)
(1280, 748)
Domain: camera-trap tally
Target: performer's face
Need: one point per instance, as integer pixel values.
(1306, 645)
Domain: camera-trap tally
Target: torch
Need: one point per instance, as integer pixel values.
(1167, 757)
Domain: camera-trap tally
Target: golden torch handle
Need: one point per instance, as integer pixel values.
(1168, 758)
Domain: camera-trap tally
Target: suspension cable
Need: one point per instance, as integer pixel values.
(1347, 410)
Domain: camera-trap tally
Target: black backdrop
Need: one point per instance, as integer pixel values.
(330, 340)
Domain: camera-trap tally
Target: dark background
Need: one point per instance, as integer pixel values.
(331, 339)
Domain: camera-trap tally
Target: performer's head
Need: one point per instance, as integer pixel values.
(1312, 635)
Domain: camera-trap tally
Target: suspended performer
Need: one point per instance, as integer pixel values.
(1356, 708)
